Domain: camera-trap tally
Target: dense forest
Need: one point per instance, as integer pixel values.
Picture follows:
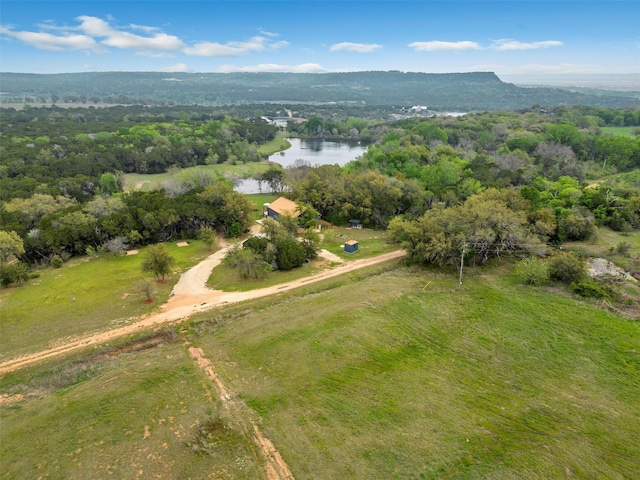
(451, 91)
(486, 184)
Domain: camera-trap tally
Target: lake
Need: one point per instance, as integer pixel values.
(314, 152)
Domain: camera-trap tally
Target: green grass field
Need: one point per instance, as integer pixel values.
(148, 182)
(401, 375)
(276, 145)
(626, 131)
(378, 374)
(136, 416)
(105, 294)
(385, 372)
(370, 242)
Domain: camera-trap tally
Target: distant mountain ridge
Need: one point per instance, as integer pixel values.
(439, 91)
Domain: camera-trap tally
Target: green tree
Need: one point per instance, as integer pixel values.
(207, 235)
(289, 254)
(109, 183)
(158, 261)
(248, 263)
(487, 225)
(618, 151)
(11, 245)
(311, 243)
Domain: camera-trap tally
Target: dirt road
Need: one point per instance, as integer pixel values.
(189, 296)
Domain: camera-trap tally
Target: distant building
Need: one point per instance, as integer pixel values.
(283, 206)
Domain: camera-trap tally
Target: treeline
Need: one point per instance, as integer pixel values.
(61, 227)
(59, 152)
(496, 182)
(448, 91)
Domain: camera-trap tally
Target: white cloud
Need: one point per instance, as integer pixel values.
(143, 28)
(178, 67)
(93, 33)
(355, 47)
(113, 37)
(273, 67)
(439, 46)
(505, 45)
(48, 41)
(232, 49)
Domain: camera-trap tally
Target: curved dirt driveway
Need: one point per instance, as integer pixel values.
(191, 295)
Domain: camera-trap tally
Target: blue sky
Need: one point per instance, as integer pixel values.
(508, 37)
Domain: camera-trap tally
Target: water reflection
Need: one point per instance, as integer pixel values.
(319, 152)
(313, 152)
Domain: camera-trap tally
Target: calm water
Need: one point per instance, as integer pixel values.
(314, 152)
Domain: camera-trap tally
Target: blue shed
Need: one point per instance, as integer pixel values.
(351, 246)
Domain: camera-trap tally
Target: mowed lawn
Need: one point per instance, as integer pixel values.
(87, 294)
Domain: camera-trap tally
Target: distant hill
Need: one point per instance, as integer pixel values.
(449, 91)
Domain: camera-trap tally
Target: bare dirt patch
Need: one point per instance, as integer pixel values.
(6, 399)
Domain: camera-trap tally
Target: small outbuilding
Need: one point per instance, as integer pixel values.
(351, 246)
(355, 223)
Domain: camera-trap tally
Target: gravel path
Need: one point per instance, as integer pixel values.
(189, 296)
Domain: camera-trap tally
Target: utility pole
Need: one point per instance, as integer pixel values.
(464, 249)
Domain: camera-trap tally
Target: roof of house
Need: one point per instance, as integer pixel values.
(283, 206)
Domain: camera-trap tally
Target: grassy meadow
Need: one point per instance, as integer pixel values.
(137, 416)
(148, 182)
(625, 131)
(86, 295)
(387, 372)
(606, 244)
(370, 243)
(402, 375)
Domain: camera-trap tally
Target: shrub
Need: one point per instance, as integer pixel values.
(567, 267)
(257, 244)
(624, 248)
(11, 273)
(56, 261)
(533, 271)
(146, 288)
(290, 254)
(116, 245)
(592, 289)
(248, 263)
(310, 243)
